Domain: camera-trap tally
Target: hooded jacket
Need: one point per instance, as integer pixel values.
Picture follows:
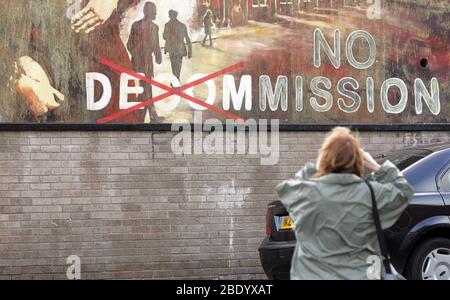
(335, 231)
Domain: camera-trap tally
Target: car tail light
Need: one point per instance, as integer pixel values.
(268, 227)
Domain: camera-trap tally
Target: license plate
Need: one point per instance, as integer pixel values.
(284, 223)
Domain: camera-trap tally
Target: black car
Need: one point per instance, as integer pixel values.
(419, 242)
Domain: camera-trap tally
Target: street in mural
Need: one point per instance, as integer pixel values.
(299, 61)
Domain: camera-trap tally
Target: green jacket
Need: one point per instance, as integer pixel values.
(333, 219)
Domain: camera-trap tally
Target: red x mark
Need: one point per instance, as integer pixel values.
(170, 91)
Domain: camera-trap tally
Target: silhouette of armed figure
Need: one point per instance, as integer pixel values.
(144, 47)
(178, 43)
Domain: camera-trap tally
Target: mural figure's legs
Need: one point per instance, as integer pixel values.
(177, 62)
(210, 39)
(148, 94)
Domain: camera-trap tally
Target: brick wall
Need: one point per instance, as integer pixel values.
(129, 208)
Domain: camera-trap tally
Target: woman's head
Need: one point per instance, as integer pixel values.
(340, 153)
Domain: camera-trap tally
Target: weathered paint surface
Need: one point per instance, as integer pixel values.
(391, 67)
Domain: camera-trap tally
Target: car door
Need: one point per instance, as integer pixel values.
(443, 184)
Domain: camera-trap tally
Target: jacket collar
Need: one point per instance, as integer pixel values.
(342, 179)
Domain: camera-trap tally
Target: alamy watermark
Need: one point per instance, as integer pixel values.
(213, 137)
(74, 269)
(374, 9)
(374, 271)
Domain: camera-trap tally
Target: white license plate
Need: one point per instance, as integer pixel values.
(284, 223)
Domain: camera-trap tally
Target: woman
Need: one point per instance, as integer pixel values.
(330, 205)
(208, 24)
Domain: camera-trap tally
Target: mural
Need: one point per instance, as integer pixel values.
(300, 61)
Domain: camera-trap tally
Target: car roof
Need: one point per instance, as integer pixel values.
(419, 149)
(422, 174)
(430, 147)
(435, 147)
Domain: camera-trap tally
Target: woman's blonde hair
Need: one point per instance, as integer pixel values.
(340, 153)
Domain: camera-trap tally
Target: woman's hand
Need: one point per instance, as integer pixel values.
(95, 14)
(370, 163)
(32, 82)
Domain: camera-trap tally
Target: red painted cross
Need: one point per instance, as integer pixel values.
(170, 91)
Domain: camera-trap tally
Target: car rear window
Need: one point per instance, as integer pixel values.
(404, 158)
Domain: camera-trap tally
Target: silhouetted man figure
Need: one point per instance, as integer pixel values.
(143, 45)
(208, 23)
(175, 35)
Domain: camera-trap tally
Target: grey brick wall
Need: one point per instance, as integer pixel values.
(129, 208)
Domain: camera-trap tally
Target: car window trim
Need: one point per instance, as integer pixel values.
(441, 174)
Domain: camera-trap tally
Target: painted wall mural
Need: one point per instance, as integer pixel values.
(300, 61)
